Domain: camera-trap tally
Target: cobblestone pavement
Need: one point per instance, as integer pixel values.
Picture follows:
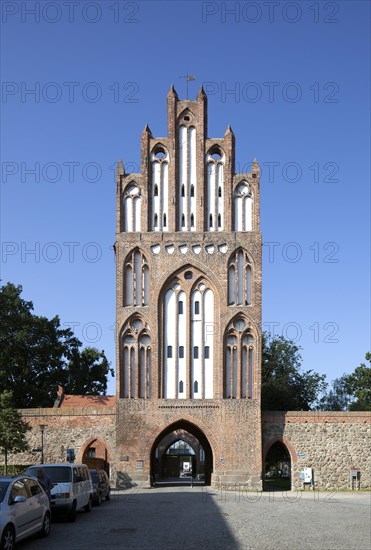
(180, 518)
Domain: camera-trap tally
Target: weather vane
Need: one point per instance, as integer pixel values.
(188, 78)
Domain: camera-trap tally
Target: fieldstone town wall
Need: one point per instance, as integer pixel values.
(332, 443)
(329, 442)
(75, 428)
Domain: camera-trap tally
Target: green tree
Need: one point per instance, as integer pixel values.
(13, 428)
(37, 355)
(284, 386)
(337, 398)
(351, 391)
(358, 385)
(86, 372)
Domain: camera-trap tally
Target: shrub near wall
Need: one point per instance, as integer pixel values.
(13, 469)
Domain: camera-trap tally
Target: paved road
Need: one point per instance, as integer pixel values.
(180, 518)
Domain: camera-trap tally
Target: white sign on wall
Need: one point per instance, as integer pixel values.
(307, 475)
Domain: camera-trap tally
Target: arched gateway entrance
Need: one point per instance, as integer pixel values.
(179, 452)
(277, 467)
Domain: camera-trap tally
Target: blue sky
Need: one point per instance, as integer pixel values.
(292, 79)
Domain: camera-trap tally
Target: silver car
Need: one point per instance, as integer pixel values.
(24, 510)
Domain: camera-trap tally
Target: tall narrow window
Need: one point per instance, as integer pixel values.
(128, 285)
(145, 284)
(231, 284)
(195, 352)
(160, 187)
(215, 161)
(229, 361)
(197, 308)
(187, 172)
(250, 372)
(180, 307)
(239, 279)
(181, 352)
(170, 352)
(207, 352)
(136, 279)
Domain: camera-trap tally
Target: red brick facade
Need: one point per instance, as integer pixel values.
(231, 427)
(189, 239)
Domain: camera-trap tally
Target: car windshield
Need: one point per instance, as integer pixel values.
(58, 474)
(3, 488)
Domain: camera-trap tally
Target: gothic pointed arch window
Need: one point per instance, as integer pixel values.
(187, 172)
(136, 279)
(215, 161)
(188, 330)
(243, 207)
(239, 279)
(132, 199)
(160, 187)
(239, 360)
(135, 364)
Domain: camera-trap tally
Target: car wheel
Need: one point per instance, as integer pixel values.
(72, 513)
(88, 507)
(108, 496)
(8, 538)
(45, 530)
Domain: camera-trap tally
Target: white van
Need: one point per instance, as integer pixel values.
(72, 489)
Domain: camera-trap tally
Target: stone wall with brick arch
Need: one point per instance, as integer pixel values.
(332, 443)
(74, 428)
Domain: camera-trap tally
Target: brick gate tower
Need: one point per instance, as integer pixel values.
(188, 279)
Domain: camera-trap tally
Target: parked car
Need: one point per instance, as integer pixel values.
(72, 489)
(101, 486)
(24, 510)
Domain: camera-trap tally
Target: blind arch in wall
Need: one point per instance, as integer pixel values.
(136, 279)
(188, 331)
(239, 279)
(135, 363)
(132, 200)
(243, 207)
(239, 360)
